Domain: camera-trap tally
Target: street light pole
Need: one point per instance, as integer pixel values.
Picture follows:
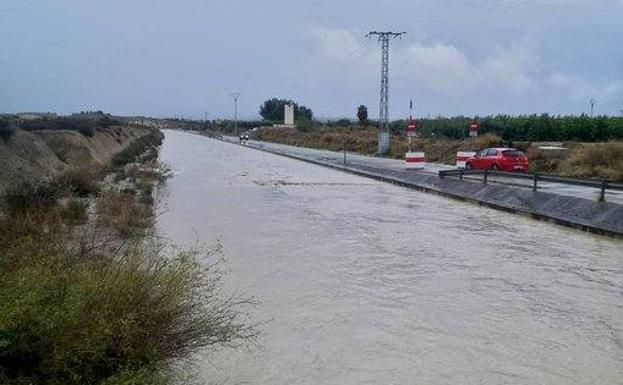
(236, 96)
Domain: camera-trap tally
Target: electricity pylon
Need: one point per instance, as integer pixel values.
(384, 38)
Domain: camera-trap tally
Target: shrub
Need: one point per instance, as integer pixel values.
(305, 125)
(74, 211)
(122, 212)
(6, 131)
(85, 125)
(77, 319)
(107, 121)
(339, 123)
(81, 181)
(87, 131)
(604, 160)
(145, 145)
(548, 162)
(24, 197)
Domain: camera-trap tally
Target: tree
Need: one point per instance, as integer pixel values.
(362, 114)
(303, 112)
(272, 110)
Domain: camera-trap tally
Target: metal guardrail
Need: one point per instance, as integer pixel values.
(603, 185)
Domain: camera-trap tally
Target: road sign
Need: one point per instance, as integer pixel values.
(474, 126)
(411, 128)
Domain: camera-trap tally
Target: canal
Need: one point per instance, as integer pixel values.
(361, 282)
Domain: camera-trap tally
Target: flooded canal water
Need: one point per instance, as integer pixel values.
(361, 282)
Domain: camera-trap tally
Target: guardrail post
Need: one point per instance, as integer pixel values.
(602, 195)
(536, 178)
(486, 174)
(461, 174)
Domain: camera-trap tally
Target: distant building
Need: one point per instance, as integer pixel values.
(288, 117)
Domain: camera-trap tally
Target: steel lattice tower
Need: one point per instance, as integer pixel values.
(384, 38)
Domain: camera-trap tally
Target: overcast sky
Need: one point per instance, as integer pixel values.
(184, 57)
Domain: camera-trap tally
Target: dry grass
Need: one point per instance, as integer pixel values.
(122, 212)
(364, 141)
(79, 181)
(74, 317)
(581, 160)
(73, 211)
(547, 162)
(602, 160)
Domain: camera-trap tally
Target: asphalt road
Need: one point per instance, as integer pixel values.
(335, 157)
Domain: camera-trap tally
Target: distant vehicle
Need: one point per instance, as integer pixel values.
(503, 159)
(244, 137)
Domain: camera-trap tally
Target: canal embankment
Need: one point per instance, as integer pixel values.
(38, 155)
(78, 252)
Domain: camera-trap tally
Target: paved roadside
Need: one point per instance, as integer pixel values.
(337, 158)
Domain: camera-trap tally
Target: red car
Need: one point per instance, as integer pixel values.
(504, 159)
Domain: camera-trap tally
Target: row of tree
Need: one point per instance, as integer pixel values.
(86, 125)
(530, 128)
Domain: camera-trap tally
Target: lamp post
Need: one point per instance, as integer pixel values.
(236, 96)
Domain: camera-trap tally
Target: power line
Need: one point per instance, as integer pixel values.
(384, 38)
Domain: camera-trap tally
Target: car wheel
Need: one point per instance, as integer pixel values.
(468, 166)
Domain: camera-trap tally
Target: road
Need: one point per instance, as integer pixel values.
(363, 282)
(430, 168)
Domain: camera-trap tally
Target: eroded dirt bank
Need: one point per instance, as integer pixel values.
(33, 155)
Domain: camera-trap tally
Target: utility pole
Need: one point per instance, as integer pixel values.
(205, 121)
(592, 103)
(236, 96)
(409, 122)
(384, 38)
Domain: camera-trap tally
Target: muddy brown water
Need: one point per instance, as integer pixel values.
(361, 282)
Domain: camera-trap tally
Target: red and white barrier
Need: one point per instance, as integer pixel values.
(415, 160)
(462, 157)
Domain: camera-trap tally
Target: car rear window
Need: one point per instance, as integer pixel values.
(513, 153)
